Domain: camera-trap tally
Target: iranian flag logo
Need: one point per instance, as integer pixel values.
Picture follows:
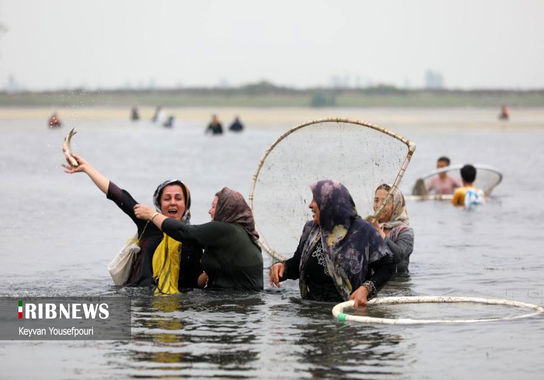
(20, 309)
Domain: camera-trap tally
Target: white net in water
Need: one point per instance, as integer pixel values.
(487, 178)
(359, 155)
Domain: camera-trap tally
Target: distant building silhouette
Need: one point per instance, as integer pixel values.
(433, 79)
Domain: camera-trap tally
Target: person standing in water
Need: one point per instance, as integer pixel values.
(215, 127)
(134, 114)
(505, 113)
(54, 121)
(443, 183)
(393, 225)
(468, 196)
(236, 125)
(232, 258)
(172, 199)
(340, 256)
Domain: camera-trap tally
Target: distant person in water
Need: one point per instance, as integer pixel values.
(215, 127)
(236, 125)
(169, 123)
(54, 121)
(442, 183)
(505, 113)
(134, 115)
(468, 196)
(157, 116)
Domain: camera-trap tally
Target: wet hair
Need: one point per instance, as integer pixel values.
(468, 173)
(444, 159)
(158, 193)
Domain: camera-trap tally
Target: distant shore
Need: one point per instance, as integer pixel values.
(267, 95)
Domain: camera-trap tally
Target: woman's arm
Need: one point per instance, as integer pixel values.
(83, 166)
(208, 234)
(381, 271)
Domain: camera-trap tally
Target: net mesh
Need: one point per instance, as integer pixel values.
(353, 153)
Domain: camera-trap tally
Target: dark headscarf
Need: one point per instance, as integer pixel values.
(350, 242)
(232, 208)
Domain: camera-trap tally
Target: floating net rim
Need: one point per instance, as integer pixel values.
(338, 310)
(459, 166)
(411, 149)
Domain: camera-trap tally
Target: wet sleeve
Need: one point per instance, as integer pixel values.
(125, 202)
(381, 270)
(403, 246)
(376, 245)
(212, 234)
(292, 265)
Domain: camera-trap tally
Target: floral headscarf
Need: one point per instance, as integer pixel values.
(399, 218)
(232, 208)
(350, 242)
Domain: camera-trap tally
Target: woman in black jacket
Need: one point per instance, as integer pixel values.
(171, 198)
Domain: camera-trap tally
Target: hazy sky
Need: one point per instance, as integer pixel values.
(108, 43)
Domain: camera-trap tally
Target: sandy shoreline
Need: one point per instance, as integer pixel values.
(268, 116)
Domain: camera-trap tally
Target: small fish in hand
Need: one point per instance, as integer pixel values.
(66, 148)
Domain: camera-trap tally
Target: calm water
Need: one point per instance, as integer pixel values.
(58, 232)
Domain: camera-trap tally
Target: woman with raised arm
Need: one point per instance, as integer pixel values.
(171, 198)
(339, 256)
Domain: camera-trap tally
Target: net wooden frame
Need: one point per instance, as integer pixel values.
(410, 145)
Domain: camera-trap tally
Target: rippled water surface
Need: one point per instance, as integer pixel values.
(58, 232)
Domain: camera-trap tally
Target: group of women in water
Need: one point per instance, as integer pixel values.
(340, 255)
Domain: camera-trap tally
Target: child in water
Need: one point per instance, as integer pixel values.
(468, 195)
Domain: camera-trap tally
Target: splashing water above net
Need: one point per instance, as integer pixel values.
(359, 155)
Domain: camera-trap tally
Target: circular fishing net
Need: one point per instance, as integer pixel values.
(359, 155)
(487, 178)
(340, 311)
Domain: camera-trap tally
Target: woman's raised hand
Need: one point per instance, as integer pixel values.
(276, 273)
(82, 164)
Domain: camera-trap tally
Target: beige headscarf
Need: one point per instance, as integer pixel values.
(399, 217)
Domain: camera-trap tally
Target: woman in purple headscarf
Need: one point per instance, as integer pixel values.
(340, 256)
